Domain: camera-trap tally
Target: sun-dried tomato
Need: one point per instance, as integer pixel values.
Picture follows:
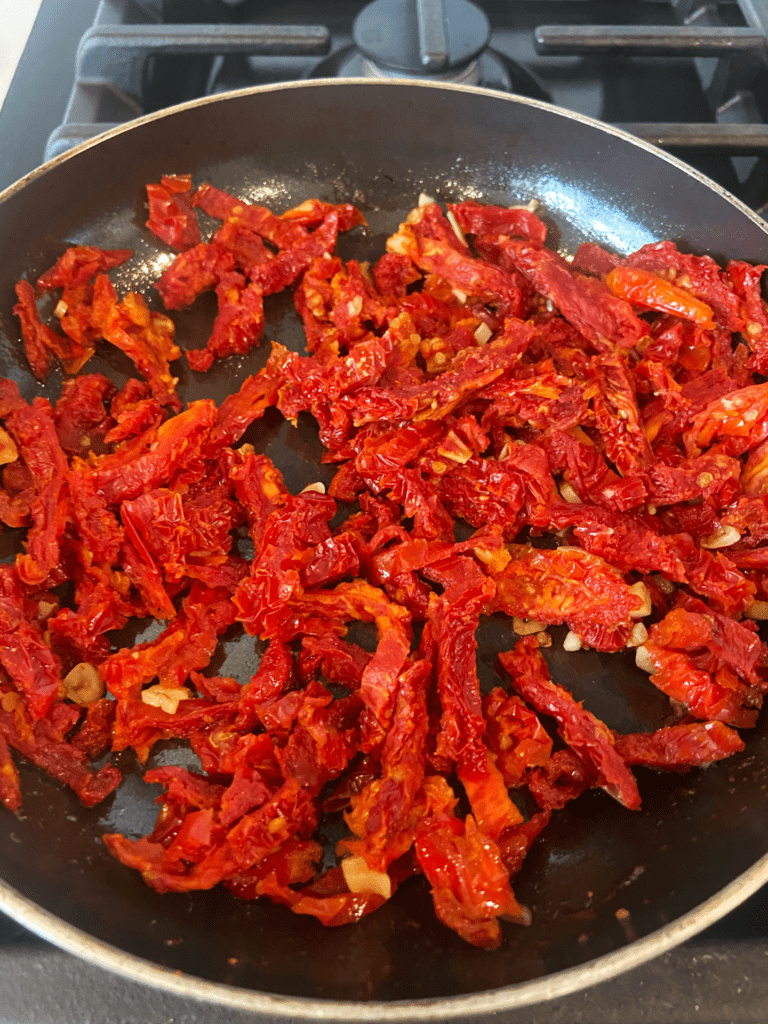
(32, 428)
(171, 216)
(647, 290)
(680, 747)
(559, 585)
(470, 884)
(586, 735)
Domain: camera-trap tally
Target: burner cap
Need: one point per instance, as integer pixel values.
(421, 37)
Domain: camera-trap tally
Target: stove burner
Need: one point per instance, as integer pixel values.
(442, 40)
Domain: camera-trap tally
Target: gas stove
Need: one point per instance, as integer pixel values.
(688, 76)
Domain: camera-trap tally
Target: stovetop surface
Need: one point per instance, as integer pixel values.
(719, 976)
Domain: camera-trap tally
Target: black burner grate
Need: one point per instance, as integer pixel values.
(691, 78)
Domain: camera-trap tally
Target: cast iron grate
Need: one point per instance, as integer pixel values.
(143, 55)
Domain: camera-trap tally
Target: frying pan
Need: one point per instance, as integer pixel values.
(608, 888)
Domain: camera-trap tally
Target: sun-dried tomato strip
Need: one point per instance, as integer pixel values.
(699, 275)
(146, 337)
(242, 408)
(102, 603)
(118, 478)
(479, 219)
(289, 535)
(740, 418)
(514, 735)
(647, 290)
(628, 543)
(470, 885)
(238, 325)
(186, 644)
(381, 815)
(446, 256)
(33, 429)
(81, 414)
(712, 693)
(562, 778)
(617, 416)
(746, 282)
(590, 739)
(79, 265)
(192, 272)
(312, 212)
(562, 585)
(455, 619)
(593, 310)
(73, 272)
(140, 726)
(258, 219)
(42, 743)
(40, 342)
(517, 841)
(676, 675)
(680, 747)
(94, 737)
(171, 216)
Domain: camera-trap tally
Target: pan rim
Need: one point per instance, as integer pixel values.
(374, 83)
(546, 988)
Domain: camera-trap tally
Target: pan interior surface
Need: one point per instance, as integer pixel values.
(600, 877)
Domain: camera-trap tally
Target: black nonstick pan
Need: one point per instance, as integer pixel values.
(608, 888)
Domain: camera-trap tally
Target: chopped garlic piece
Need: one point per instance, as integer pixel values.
(424, 199)
(722, 538)
(643, 659)
(460, 295)
(572, 641)
(638, 635)
(456, 228)
(453, 448)
(360, 878)
(167, 698)
(567, 493)
(483, 334)
(641, 591)
(83, 684)
(524, 627)
(318, 486)
(398, 244)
